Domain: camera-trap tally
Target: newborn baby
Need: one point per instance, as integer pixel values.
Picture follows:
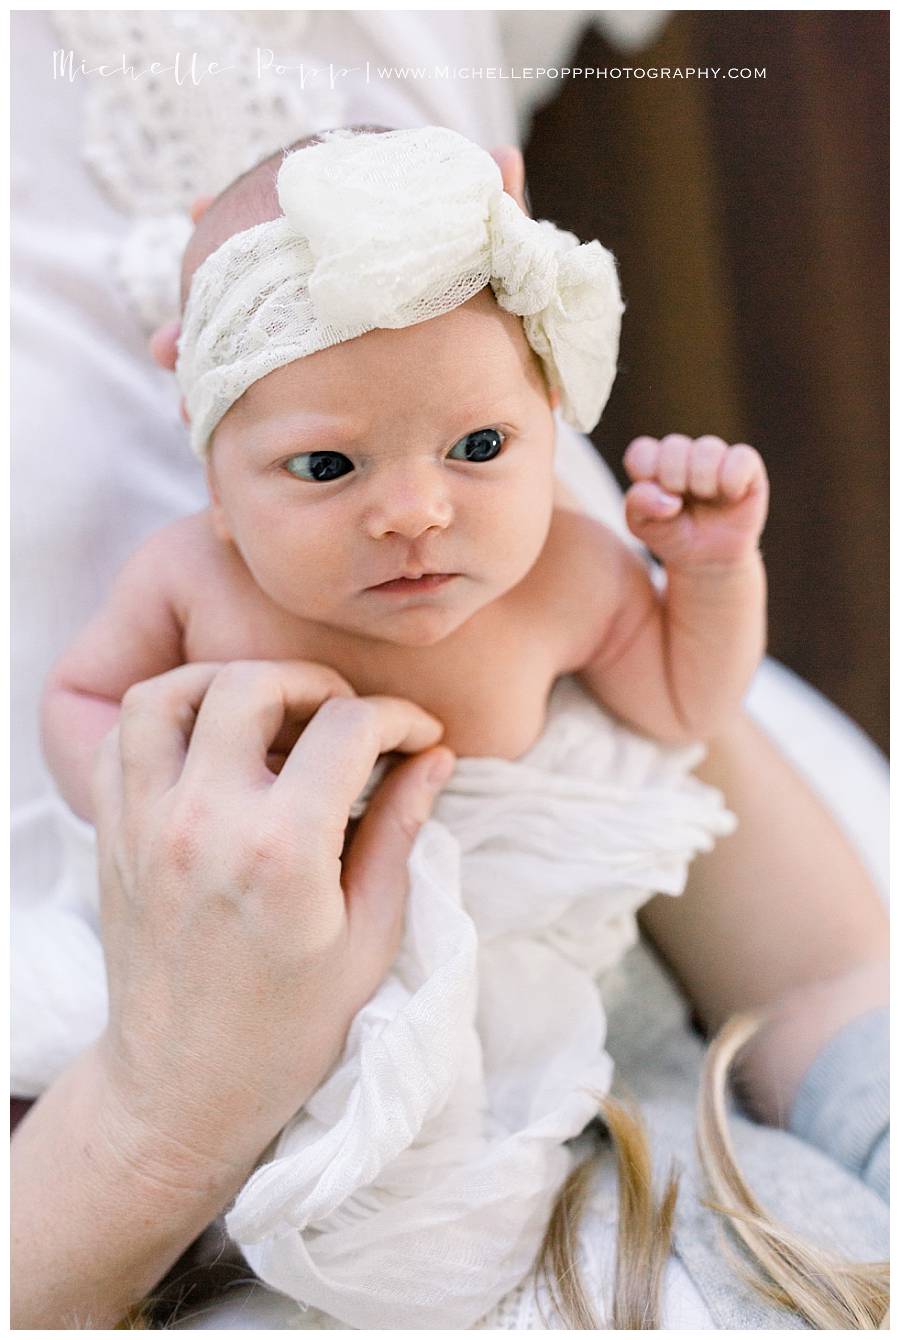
(384, 503)
(374, 340)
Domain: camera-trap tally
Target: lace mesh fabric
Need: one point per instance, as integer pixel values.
(386, 231)
(155, 144)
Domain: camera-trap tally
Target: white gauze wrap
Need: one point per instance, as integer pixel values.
(382, 231)
(415, 1186)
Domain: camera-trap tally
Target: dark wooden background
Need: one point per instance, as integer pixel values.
(750, 220)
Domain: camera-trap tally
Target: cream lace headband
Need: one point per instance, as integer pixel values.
(384, 231)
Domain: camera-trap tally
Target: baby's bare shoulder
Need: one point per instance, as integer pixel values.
(581, 555)
(180, 558)
(574, 589)
(190, 539)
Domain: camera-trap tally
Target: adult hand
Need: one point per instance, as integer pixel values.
(238, 947)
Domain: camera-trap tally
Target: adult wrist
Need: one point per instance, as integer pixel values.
(101, 1207)
(157, 1145)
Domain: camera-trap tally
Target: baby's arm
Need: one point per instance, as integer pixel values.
(136, 635)
(676, 663)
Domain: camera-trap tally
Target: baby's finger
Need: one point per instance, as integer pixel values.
(705, 461)
(640, 458)
(646, 501)
(741, 468)
(672, 467)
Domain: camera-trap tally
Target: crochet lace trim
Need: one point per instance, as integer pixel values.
(154, 144)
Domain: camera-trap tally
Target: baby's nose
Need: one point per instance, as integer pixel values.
(409, 507)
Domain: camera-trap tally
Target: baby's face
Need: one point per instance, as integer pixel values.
(344, 477)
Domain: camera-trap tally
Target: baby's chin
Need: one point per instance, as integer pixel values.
(416, 625)
(423, 622)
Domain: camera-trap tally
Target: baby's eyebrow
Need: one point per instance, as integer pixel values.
(309, 431)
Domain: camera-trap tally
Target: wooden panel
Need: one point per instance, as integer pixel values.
(750, 222)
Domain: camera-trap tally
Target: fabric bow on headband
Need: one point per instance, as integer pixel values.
(382, 231)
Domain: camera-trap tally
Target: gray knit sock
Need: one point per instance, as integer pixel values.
(842, 1105)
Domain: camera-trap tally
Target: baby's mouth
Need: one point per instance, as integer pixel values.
(423, 583)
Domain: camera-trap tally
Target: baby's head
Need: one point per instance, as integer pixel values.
(365, 434)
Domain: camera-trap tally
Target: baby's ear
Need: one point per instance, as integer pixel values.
(554, 397)
(221, 529)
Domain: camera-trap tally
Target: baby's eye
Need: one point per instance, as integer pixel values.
(319, 466)
(482, 445)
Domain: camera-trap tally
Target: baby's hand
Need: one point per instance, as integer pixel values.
(696, 501)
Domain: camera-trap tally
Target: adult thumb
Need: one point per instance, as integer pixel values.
(375, 876)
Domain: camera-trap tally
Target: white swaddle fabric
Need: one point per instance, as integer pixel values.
(415, 1187)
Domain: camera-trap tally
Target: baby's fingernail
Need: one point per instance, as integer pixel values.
(666, 499)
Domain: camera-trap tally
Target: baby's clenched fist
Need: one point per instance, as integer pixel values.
(696, 501)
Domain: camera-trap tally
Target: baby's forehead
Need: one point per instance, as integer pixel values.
(477, 343)
(471, 363)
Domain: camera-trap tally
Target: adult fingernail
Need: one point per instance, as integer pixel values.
(441, 768)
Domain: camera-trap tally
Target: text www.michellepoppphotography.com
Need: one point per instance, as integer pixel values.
(192, 68)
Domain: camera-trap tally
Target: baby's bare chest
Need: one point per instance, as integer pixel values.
(489, 687)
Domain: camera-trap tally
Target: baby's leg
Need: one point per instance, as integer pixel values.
(782, 914)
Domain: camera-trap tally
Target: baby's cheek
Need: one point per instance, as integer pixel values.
(288, 566)
(521, 533)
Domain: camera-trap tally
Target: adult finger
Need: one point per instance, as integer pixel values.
(200, 206)
(512, 169)
(334, 757)
(375, 869)
(107, 788)
(164, 345)
(243, 711)
(155, 725)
